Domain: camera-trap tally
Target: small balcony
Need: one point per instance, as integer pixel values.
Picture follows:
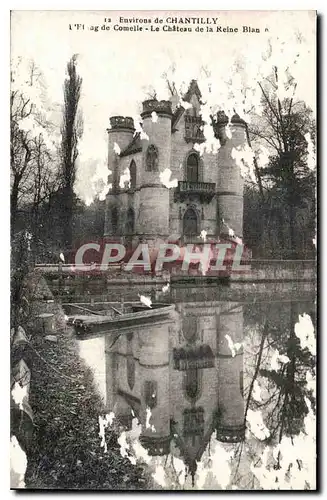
(203, 190)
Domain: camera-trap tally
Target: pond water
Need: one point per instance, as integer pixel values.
(221, 394)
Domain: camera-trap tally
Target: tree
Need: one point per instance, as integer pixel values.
(33, 153)
(43, 182)
(33, 173)
(23, 112)
(71, 131)
(289, 383)
(287, 181)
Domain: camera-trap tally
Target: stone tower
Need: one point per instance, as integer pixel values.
(154, 196)
(120, 134)
(230, 416)
(230, 181)
(154, 374)
(207, 194)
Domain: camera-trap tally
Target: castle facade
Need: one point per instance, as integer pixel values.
(208, 191)
(181, 381)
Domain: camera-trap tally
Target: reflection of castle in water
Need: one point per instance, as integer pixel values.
(184, 372)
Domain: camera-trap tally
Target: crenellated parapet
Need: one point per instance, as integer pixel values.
(160, 107)
(121, 122)
(219, 122)
(230, 434)
(222, 119)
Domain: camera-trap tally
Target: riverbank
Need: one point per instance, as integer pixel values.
(65, 451)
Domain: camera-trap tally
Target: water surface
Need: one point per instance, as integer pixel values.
(220, 395)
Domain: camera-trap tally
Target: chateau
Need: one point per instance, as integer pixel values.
(182, 374)
(209, 192)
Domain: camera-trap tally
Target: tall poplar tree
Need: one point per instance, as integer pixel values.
(71, 132)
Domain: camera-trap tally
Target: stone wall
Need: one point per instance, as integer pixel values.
(279, 270)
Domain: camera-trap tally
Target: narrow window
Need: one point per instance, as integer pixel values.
(192, 168)
(151, 159)
(130, 224)
(132, 170)
(190, 223)
(150, 393)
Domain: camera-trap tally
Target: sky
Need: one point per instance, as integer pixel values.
(118, 67)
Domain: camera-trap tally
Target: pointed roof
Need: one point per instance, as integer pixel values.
(191, 461)
(192, 90)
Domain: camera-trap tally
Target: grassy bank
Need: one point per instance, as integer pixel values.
(66, 449)
(65, 452)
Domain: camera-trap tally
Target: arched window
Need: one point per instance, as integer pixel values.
(130, 223)
(192, 168)
(114, 220)
(151, 160)
(132, 170)
(190, 223)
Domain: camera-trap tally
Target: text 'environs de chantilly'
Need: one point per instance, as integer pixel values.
(170, 24)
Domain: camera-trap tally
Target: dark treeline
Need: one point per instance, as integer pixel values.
(267, 225)
(280, 206)
(87, 224)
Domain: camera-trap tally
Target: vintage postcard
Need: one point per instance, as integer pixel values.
(163, 250)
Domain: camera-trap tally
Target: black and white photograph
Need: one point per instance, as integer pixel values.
(163, 262)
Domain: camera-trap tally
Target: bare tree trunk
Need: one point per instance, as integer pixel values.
(292, 231)
(68, 217)
(14, 204)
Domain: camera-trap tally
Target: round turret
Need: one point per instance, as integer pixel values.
(119, 136)
(232, 136)
(154, 376)
(230, 413)
(156, 152)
